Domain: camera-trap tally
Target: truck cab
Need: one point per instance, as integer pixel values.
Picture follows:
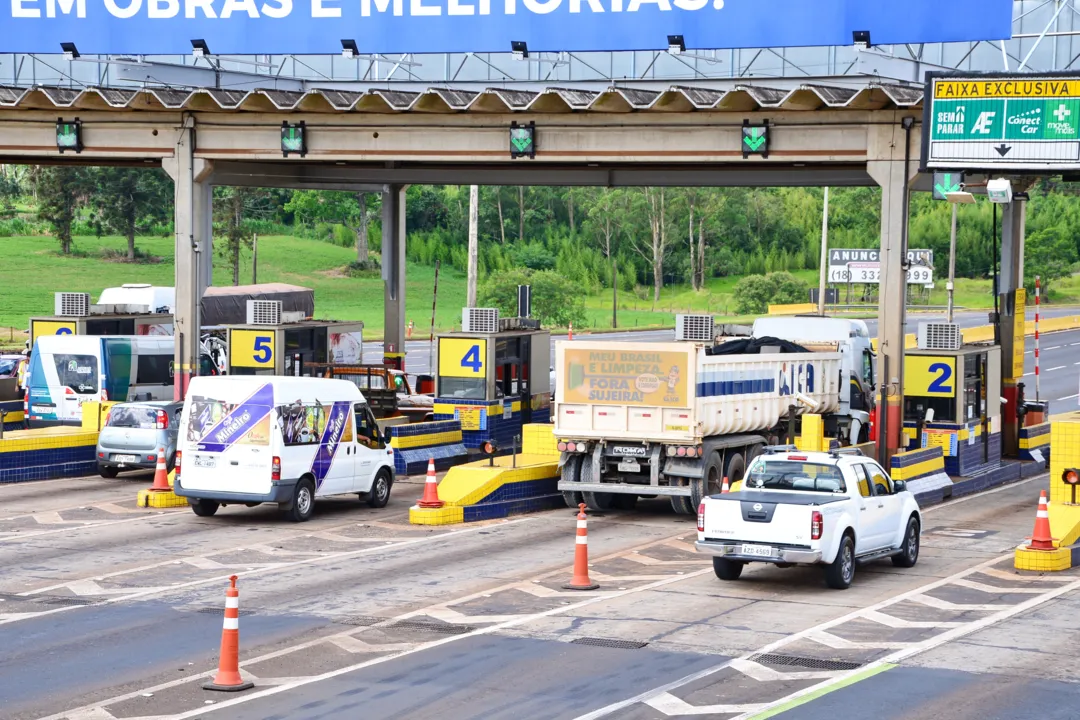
(851, 339)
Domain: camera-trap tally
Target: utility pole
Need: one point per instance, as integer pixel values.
(614, 293)
(823, 265)
(952, 263)
(474, 221)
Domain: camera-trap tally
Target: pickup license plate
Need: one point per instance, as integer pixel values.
(757, 550)
(629, 466)
(205, 462)
(126, 458)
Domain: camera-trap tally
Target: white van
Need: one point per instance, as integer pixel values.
(69, 370)
(285, 440)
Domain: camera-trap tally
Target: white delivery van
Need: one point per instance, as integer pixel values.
(286, 440)
(69, 370)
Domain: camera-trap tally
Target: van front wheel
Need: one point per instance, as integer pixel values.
(303, 502)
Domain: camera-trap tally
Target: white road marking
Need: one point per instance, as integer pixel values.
(855, 614)
(1069, 397)
(931, 643)
(1059, 367)
(331, 557)
(761, 673)
(671, 705)
(984, 493)
(75, 526)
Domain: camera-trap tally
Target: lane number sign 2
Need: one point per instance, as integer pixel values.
(942, 378)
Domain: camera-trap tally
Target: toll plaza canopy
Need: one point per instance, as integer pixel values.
(825, 131)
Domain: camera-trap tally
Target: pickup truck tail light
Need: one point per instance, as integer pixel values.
(701, 517)
(816, 524)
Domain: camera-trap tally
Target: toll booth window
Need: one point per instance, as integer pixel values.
(508, 367)
(915, 407)
(464, 388)
(973, 403)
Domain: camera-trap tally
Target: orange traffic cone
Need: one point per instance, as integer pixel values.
(161, 475)
(570, 332)
(581, 580)
(431, 488)
(228, 675)
(1040, 537)
(725, 487)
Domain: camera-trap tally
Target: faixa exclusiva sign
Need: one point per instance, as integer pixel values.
(161, 27)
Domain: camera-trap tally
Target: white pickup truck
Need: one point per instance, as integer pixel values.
(811, 508)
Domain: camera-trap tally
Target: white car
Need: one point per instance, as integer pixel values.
(811, 508)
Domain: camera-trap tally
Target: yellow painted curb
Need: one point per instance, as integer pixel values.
(447, 515)
(1043, 560)
(148, 499)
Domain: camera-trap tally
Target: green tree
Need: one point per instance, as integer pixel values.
(1049, 253)
(126, 200)
(232, 213)
(61, 191)
(352, 210)
(556, 301)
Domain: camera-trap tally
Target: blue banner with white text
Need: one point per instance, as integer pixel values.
(163, 27)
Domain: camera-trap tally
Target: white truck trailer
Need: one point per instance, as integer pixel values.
(637, 419)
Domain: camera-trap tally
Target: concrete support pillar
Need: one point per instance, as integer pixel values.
(1012, 303)
(204, 232)
(188, 174)
(393, 273)
(894, 163)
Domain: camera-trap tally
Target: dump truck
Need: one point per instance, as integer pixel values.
(638, 419)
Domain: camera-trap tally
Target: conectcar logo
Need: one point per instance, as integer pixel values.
(623, 450)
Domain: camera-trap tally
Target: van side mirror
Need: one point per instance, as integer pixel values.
(386, 435)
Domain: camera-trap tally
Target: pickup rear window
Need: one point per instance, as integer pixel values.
(794, 475)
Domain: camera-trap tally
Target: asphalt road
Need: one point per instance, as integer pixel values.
(111, 611)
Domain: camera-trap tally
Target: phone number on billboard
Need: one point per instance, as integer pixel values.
(915, 275)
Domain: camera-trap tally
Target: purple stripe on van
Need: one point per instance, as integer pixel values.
(239, 421)
(336, 423)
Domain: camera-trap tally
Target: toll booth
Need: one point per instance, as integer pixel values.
(104, 324)
(951, 400)
(285, 348)
(494, 376)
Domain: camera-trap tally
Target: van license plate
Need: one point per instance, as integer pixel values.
(126, 458)
(757, 550)
(629, 466)
(205, 462)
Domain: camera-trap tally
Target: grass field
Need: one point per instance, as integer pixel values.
(32, 270)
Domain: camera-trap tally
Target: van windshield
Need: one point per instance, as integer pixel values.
(78, 372)
(794, 475)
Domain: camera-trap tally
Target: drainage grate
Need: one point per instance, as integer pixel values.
(361, 620)
(813, 663)
(430, 626)
(609, 643)
(64, 600)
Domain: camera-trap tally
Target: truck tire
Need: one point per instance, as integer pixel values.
(714, 481)
(597, 501)
(682, 504)
(909, 551)
(203, 508)
(841, 571)
(571, 472)
(734, 467)
(727, 569)
(303, 502)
